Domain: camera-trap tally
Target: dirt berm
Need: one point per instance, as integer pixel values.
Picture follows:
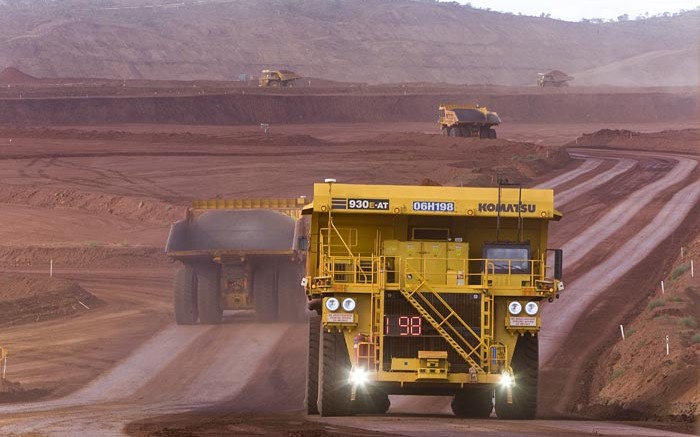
(253, 109)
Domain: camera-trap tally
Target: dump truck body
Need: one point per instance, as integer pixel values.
(427, 291)
(238, 255)
(467, 121)
(278, 78)
(553, 78)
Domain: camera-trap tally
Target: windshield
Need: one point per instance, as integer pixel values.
(503, 256)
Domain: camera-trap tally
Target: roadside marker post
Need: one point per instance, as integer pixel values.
(692, 269)
(662, 288)
(667, 349)
(622, 331)
(3, 356)
(51, 269)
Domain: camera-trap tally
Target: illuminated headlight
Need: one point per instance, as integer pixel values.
(332, 304)
(349, 304)
(515, 308)
(358, 376)
(506, 379)
(531, 308)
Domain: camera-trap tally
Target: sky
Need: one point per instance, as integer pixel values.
(576, 10)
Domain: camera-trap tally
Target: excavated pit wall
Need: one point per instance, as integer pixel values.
(256, 108)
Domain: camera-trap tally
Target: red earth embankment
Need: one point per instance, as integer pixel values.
(241, 109)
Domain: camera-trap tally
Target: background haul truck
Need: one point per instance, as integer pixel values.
(427, 291)
(243, 254)
(467, 121)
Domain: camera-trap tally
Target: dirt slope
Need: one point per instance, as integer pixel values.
(375, 41)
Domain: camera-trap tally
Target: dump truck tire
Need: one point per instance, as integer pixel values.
(473, 402)
(369, 400)
(209, 294)
(445, 131)
(265, 291)
(483, 132)
(452, 131)
(334, 390)
(185, 295)
(290, 293)
(492, 134)
(312, 365)
(525, 365)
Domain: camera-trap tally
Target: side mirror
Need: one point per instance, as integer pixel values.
(303, 243)
(558, 263)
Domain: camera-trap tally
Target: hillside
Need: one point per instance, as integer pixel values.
(373, 41)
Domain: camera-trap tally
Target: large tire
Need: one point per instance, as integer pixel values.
(525, 368)
(290, 294)
(209, 293)
(452, 131)
(369, 400)
(265, 291)
(312, 364)
(473, 402)
(483, 132)
(334, 390)
(185, 295)
(492, 134)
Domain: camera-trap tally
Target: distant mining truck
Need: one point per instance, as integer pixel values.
(278, 78)
(468, 121)
(242, 254)
(428, 291)
(553, 78)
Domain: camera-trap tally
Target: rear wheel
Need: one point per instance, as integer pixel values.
(334, 390)
(265, 291)
(452, 131)
(290, 294)
(483, 132)
(312, 364)
(185, 295)
(209, 293)
(473, 402)
(492, 134)
(525, 368)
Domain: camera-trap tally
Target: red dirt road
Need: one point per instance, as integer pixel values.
(126, 361)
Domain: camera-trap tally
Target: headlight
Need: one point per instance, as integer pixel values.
(358, 376)
(349, 304)
(332, 304)
(506, 379)
(515, 308)
(531, 308)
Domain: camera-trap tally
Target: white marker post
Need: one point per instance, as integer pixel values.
(667, 350)
(622, 331)
(51, 269)
(662, 288)
(692, 269)
(681, 252)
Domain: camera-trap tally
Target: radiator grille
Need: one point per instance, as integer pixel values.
(467, 306)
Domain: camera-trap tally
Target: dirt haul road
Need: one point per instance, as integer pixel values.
(244, 368)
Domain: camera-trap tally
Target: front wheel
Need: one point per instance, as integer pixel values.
(312, 365)
(525, 365)
(473, 402)
(334, 389)
(369, 400)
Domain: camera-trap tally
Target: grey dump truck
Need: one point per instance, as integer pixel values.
(243, 254)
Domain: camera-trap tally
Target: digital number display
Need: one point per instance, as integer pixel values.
(403, 326)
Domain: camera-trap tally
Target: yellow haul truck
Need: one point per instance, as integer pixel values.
(467, 121)
(242, 254)
(427, 291)
(278, 78)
